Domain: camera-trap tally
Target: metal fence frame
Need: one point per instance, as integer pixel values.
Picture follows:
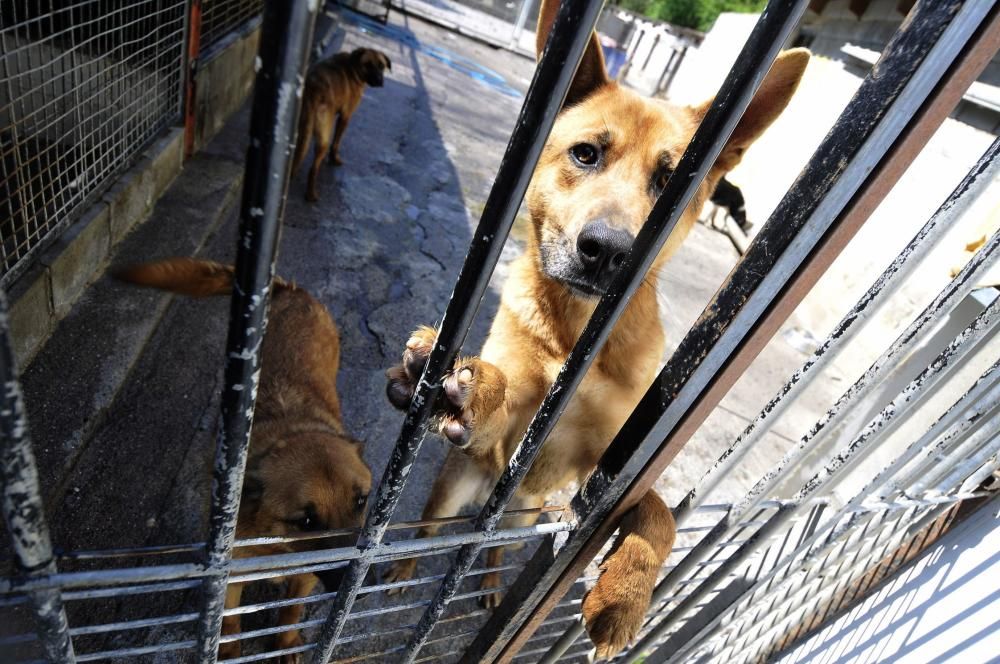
(924, 70)
(84, 93)
(58, 157)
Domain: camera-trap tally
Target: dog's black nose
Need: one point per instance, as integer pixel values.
(602, 248)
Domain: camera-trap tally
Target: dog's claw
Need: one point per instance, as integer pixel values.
(456, 432)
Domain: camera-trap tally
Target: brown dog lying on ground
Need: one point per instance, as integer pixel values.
(304, 473)
(332, 93)
(610, 154)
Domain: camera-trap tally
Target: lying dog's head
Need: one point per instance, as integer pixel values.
(371, 65)
(305, 482)
(609, 156)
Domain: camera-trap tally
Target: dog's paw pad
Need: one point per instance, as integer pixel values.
(402, 378)
(459, 386)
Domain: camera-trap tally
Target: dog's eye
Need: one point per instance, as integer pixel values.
(584, 154)
(660, 181)
(305, 523)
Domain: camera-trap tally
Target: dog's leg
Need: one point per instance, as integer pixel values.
(494, 555)
(614, 609)
(459, 483)
(300, 585)
(323, 126)
(231, 624)
(338, 133)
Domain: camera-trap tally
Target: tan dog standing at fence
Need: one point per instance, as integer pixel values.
(332, 92)
(608, 157)
(304, 473)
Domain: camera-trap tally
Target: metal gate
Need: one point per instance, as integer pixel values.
(747, 578)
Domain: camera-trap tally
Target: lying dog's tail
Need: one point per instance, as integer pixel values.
(187, 276)
(303, 138)
(614, 609)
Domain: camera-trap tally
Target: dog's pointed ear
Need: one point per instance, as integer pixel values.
(591, 75)
(388, 62)
(771, 99)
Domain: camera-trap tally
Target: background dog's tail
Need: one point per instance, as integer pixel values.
(614, 609)
(187, 276)
(303, 138)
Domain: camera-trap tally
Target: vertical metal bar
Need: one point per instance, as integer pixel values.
(22, 505)
(284, 52)
(968, 191)
(553, 75)
(522, 19)
(720, 121)
(671, 410)
(762, 46)
(193, 47)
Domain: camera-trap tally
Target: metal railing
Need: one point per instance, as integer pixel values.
(743, 576)
(223, 17)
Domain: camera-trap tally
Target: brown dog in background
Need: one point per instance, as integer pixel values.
(332, 93)
(304, 474)
(608, 157)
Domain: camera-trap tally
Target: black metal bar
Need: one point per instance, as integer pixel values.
(565, 46)
(22, 505)
(862, 136)
(763, 45)
(283, 56)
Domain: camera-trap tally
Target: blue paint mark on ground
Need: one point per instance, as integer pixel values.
(459, 63)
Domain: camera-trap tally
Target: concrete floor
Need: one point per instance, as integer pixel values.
(382, 250)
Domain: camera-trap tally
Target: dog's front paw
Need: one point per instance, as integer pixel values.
(613, 612)
(473, 389)
(285, 640)
(399, 570)
(403, 377)
(492, 600)
(230, 650)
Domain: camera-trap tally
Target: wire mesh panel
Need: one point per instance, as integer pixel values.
(84, 86)
(221, 17)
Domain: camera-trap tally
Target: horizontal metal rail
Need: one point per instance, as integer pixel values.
(278, 564)
(880, 425)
